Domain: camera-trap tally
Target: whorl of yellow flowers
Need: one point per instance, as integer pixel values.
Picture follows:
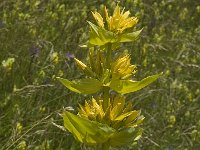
(116, 23)
(117, 115)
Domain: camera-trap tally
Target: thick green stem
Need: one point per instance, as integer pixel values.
(106, 96)
(108, 55)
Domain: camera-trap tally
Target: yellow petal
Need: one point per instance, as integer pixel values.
(98, 19)
(125, 15)
(81, 112)
(87, 107)
(106, 14)
(116, 13)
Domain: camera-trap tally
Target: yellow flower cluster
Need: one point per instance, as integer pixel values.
(8, 63)
(117, 115)
(116, 23)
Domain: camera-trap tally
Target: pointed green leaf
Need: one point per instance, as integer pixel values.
(84, 86)
(94, 28)
(128, 86)
(68, 84)
(87, 86)
(121, 117)
(86, 131)
(140, 119)
(100, 36)
(129, 37)
(125, 136)
(132, 117)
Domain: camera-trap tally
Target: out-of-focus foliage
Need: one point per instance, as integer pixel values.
(39, 38)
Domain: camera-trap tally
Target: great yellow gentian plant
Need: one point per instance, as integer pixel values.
(107, 120)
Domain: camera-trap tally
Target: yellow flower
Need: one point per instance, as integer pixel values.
(118, 22)
(190, 98)
(122, 68)
(19, 127)
(22, 145)
(92, 110)
(172, 119)
(8, 63)
(98, 19)
(54, 57)
(42, 109)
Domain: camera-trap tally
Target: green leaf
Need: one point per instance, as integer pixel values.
(138, 122)
(84, 86)
(132, 117)
(68, 84)
(100, 36)
(86, 131)
(128, 86)
(125, 136)
(129, 37)
(121, 117)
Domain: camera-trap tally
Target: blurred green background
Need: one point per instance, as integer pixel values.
(38, 40)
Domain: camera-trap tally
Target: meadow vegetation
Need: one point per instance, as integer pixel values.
(38, 41)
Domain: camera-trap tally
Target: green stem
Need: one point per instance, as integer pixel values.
(108, 55)
(106, 96)
(105, 146)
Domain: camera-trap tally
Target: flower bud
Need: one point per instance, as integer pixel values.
(84, 68)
